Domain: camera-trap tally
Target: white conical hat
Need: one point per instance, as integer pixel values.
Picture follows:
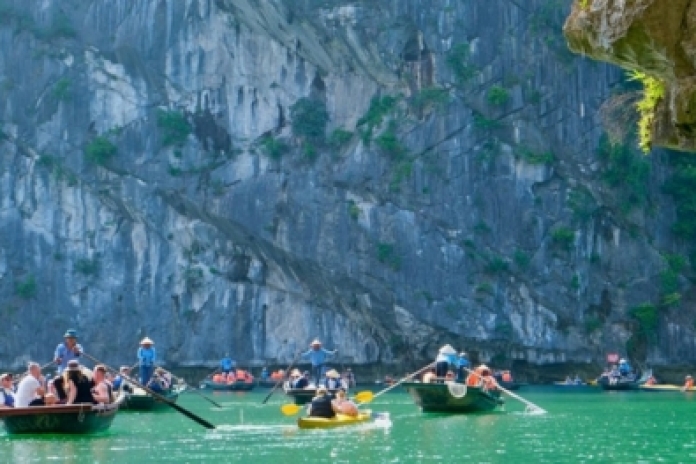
(147, 341)
(447, 349)
(333, 374)
(315, 342)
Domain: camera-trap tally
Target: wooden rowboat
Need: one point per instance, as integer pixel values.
(83, 418)
(239, 385)
(341, 420)
(452, 397)
(666, 388)
(140, 400)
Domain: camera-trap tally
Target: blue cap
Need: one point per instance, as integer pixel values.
(70, 333)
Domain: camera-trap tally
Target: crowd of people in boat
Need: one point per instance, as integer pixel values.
(451, 367)
(616, 372)
(75, 383)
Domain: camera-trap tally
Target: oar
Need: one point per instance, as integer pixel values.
(280, 381)
(529, 404)
(159, 397)
(195, 390)
(367, 396)
(290, 409)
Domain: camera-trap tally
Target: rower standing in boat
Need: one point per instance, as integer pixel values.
(146, 359)
(446, 358)
(227, 365)
(317, 356)
(7, 397)
(68, 350)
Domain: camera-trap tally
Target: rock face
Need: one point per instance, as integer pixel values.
(651, 36)
(158, 178)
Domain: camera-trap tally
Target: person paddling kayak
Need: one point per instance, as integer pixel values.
(317, 357)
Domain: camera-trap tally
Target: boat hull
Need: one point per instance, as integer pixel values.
(618, 384)
(237, 386)
(141, 401)
(436, 397)
(341, 420)
(60, 419)
(666, 388)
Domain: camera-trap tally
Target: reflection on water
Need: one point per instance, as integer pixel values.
(628, 427)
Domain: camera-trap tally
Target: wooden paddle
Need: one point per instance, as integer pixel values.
(159, 397)
(533, 407)
(367, 396)
(290, 409)
(280, 381)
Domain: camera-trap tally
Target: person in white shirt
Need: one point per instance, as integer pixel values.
(29, 387)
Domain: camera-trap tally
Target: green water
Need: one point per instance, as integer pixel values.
(580, 427)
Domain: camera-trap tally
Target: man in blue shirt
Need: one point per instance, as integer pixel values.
(317, 357)
(146, 359)
(462, 365)
(67, 351)
(624, 367)
(227, 364)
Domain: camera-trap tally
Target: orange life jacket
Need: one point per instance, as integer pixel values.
(217, 378)
(689, 383)
(473, 380)
(231, 378)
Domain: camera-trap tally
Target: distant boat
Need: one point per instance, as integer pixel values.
(302, 396)
(239, 385)
(61, 419)
(140, 400)
(453, 398)
(624, 382)
(666, 388)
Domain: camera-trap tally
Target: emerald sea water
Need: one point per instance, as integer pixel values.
(588, 426)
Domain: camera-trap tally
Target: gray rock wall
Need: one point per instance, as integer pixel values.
(211, 245)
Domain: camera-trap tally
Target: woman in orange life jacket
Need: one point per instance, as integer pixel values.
(688, 383)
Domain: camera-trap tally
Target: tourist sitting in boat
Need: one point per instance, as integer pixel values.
(332, 381)
(321, 405)
(146, 359)
(651, 380)
(614, 372)
(229, 378)
(446, 360)
(317, 356)
(481, 376)
(688, 383)
(624, 367)
(264, 374)
(30, 387)
(462, 365)
(120, 380)
(350, 378)
(429, 377)
(277, 375)
(342, 405)
(227, 364)
(219, 378)
(7, 396)
(449, 377)
(79, 386)
(506, 377)
(161, 381)
(297, 380)
(67, 351)
(102, 391)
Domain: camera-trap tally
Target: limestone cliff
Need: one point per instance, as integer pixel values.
(242, 176)
(651, 36)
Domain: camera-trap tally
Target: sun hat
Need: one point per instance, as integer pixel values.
(333, 374)
(316, 342)
(70, 333)
(462, 355)
(447, 349)
(73, 365)
(147, 341)
(295, 372)
(5, 375)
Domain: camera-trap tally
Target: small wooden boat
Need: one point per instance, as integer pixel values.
(565, 384)
(302, 396)
(140, 400)
(341, 420)
(63, 419)
(239, 385)
(624, 382)
(454, 398)
(666, 388)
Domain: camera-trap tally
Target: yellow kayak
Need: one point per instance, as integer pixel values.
(339, 421)
(665, 388)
